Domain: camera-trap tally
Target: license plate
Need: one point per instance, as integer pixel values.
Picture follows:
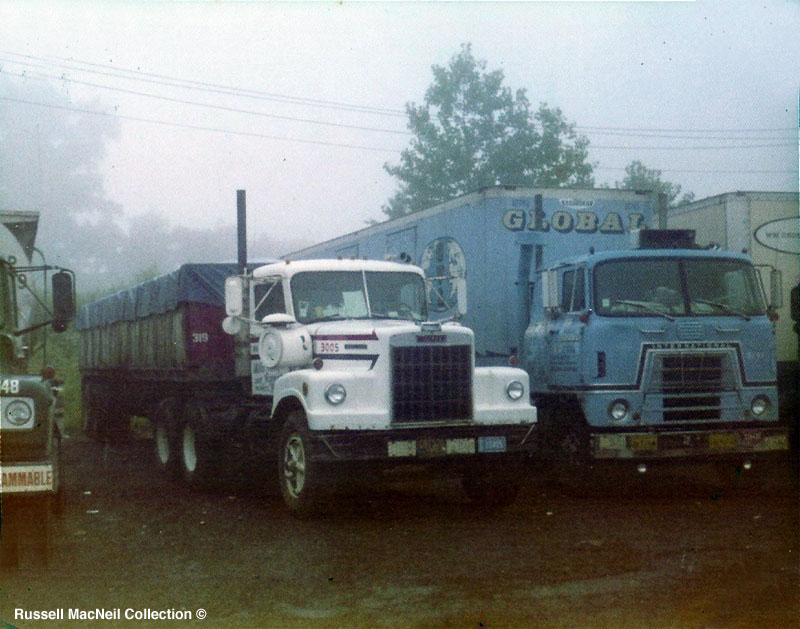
(491, 444)
(721, 441)
(643, 443)
(427, 448)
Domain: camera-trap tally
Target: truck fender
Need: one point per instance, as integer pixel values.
(286, 399)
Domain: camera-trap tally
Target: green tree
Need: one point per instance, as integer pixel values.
(472, 132)
(639, 177)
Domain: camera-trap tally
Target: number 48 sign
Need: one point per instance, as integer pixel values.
(9, 386)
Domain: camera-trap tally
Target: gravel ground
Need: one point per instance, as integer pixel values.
(668, 550)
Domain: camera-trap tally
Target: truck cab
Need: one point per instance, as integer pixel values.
(31, 424)
(654, 353)
(353, 371)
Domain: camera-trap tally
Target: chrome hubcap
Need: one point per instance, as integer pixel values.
(294, 465)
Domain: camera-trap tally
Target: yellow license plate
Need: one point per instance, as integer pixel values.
(643, 443)
(721, 441)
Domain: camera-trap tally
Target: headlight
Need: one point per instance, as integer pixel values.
(759, 405)
(17, 413)
(618, 410)
(335, 394)
(514, 390)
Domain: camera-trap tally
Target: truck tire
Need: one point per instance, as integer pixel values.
(198, 456)
(298, 475)
(60, 496)
(165, 436)
(41, 529)
(493, 486)
(9, 542)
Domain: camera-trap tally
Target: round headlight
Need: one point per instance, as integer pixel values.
(18, 413)
(335, 394)
(514, 390)
(618, 410)
(759, 405)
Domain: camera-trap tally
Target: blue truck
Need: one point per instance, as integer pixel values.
(641, 346)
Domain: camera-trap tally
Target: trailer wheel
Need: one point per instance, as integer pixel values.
(164, 437)
(298, 474)
(198, 456)
(493, 486)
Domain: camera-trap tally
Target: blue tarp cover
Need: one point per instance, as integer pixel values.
(198, 283)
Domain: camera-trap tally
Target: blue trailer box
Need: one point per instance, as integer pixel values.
(497, 239)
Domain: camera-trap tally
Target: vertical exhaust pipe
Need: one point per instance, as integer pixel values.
(241, 229)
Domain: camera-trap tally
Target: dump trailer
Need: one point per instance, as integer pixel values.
(310, 369)
(638, 353)
(31, 416)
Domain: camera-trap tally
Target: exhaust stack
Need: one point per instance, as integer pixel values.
(241, 229)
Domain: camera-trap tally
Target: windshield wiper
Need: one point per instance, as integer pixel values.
(724, 308)
(393, 317)
(644, 306)
(331, 317)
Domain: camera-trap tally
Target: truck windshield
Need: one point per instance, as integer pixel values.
(329, 295)
(677, 287)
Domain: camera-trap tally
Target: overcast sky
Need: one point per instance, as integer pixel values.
(659, 82)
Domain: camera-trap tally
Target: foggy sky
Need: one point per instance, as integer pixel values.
(630, 75)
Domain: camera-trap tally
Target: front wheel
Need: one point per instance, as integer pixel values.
(298, 475)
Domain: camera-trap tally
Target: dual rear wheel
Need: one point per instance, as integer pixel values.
(180, 442)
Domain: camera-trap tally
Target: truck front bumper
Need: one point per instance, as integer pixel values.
(718, 442)
(27, 478)
(403, 445)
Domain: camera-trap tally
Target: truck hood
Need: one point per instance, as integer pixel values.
(376, 329)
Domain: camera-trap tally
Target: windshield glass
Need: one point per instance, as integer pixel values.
(327, 295)
(397, 295)
(656, 288)
(723, 286)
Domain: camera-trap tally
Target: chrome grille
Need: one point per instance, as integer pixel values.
(431, 383)
(691, 372)
(692, 385)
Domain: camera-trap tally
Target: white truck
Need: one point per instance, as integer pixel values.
(351, 370)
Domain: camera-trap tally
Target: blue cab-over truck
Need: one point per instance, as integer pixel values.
(641, 347)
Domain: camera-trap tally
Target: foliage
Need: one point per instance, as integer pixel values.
(472, 132)
(639, 177)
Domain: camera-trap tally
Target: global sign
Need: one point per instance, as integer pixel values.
(780, 235)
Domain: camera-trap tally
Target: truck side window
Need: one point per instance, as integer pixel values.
(268, 299)
(572, 291)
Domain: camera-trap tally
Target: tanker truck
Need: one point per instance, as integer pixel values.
(31, 421)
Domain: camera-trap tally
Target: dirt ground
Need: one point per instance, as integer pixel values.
(667, 550)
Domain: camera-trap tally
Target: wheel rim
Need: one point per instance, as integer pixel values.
(162, 444)
(189, 452)
(294, 465)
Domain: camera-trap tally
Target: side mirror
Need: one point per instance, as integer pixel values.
(550, 299)
(63, 300)
(461, 295)
(234, 296)
(775, 289)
